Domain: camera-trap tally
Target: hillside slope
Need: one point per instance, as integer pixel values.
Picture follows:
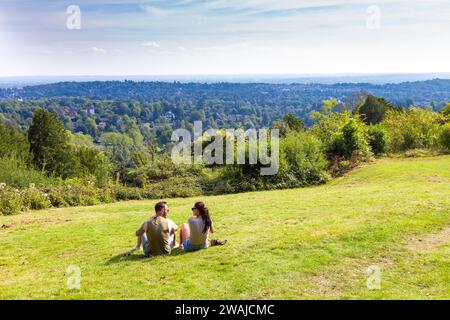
(392, 216)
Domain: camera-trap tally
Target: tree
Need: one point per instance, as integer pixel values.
(49, 144)
(120, 148)
(446, 112)
(92, 162)
(374, 109)
(328, 106)
(356, 99)
(13, 144)
(91, 127)
(294, 123)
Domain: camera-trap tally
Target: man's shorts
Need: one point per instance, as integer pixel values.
(145, 243)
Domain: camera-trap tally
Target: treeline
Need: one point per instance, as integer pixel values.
(49, 166)
(258, 94)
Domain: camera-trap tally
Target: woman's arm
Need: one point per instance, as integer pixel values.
(211, 229)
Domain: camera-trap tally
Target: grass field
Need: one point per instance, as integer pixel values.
(306, 243)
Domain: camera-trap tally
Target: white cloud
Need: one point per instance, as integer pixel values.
(151, 45)
(155, 12)
(240, 45)
(97, 50)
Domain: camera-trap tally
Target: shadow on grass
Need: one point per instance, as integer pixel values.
(124, 257)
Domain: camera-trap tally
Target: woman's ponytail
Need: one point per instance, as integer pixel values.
(204, 213)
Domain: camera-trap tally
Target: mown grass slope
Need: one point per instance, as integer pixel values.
(293, 244)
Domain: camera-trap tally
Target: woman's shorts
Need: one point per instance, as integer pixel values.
(187, 246)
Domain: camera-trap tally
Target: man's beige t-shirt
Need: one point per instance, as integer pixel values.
(157, 230)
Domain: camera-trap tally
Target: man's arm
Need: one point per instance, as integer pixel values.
(173, 228)
(141, 230)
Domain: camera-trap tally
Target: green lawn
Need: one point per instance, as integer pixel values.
(293, 244)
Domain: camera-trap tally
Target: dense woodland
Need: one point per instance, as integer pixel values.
(84, 143)
(257, 94)
(157, 108)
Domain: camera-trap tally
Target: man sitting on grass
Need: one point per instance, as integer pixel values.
(158, 234)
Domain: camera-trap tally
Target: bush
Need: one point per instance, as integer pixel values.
(160, 170)
(350, 141)
(302, 162)
(57, 198)
(35, 199)
(107, 195)
(93, 164)
(182, 187)
(416, 128)
(377, 139)
(80, 195)
(327, 126)
(10, 201)
(444, 137)
(128, 194)
(15, 173)
(302, 156)
(419, 153)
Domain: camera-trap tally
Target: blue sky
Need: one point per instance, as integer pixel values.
(153, 37)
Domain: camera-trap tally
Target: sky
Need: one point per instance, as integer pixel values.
(223, 37)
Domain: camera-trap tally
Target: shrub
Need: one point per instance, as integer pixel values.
(93, 164)
(107, 195)
(160, 170)
(419, 153)
(128, 194)
(10, 201)
(57, 198)
(302, 163)
(15, 173)
(377, 139)
(302, 156)
(327, 126)
(416, 128)
(80, 195)
(444, 137)
(35, 199)
(350, 140)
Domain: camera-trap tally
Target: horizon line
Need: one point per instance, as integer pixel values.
(233, 75)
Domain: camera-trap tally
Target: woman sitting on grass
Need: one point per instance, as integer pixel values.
(194, 234)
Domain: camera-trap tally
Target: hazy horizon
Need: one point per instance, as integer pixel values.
(238, 78)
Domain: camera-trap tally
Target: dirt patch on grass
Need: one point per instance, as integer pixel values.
(326, 286)
(430, 241)
(25, 221)
(434, 178)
